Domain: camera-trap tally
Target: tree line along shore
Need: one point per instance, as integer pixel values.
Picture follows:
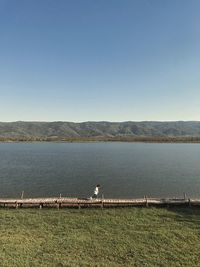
(148, 139)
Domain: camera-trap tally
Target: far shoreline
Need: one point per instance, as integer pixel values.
(118, 139)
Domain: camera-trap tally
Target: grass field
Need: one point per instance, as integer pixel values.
(95, 237)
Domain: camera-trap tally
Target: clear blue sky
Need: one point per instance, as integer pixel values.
(113, 60)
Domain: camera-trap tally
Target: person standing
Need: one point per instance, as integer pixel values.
(96, 191)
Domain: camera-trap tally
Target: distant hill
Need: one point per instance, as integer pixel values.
(97, 130)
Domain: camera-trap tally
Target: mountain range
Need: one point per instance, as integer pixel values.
(103, 129)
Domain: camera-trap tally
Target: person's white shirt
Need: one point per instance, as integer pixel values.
(96, 190)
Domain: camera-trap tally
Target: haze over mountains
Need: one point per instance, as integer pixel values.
(61, 129)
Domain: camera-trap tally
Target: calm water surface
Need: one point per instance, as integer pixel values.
(123, 169)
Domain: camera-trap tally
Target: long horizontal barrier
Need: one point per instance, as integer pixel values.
(100, 202)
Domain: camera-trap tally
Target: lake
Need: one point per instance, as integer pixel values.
(125, 170)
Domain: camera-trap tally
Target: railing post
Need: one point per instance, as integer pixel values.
(146, 201)
(189, 202)
(102, 200)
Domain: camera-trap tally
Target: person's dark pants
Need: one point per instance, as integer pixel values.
(94, 196)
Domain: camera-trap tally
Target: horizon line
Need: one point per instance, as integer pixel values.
(38, 121)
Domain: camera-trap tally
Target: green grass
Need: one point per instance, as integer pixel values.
(95, 237)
